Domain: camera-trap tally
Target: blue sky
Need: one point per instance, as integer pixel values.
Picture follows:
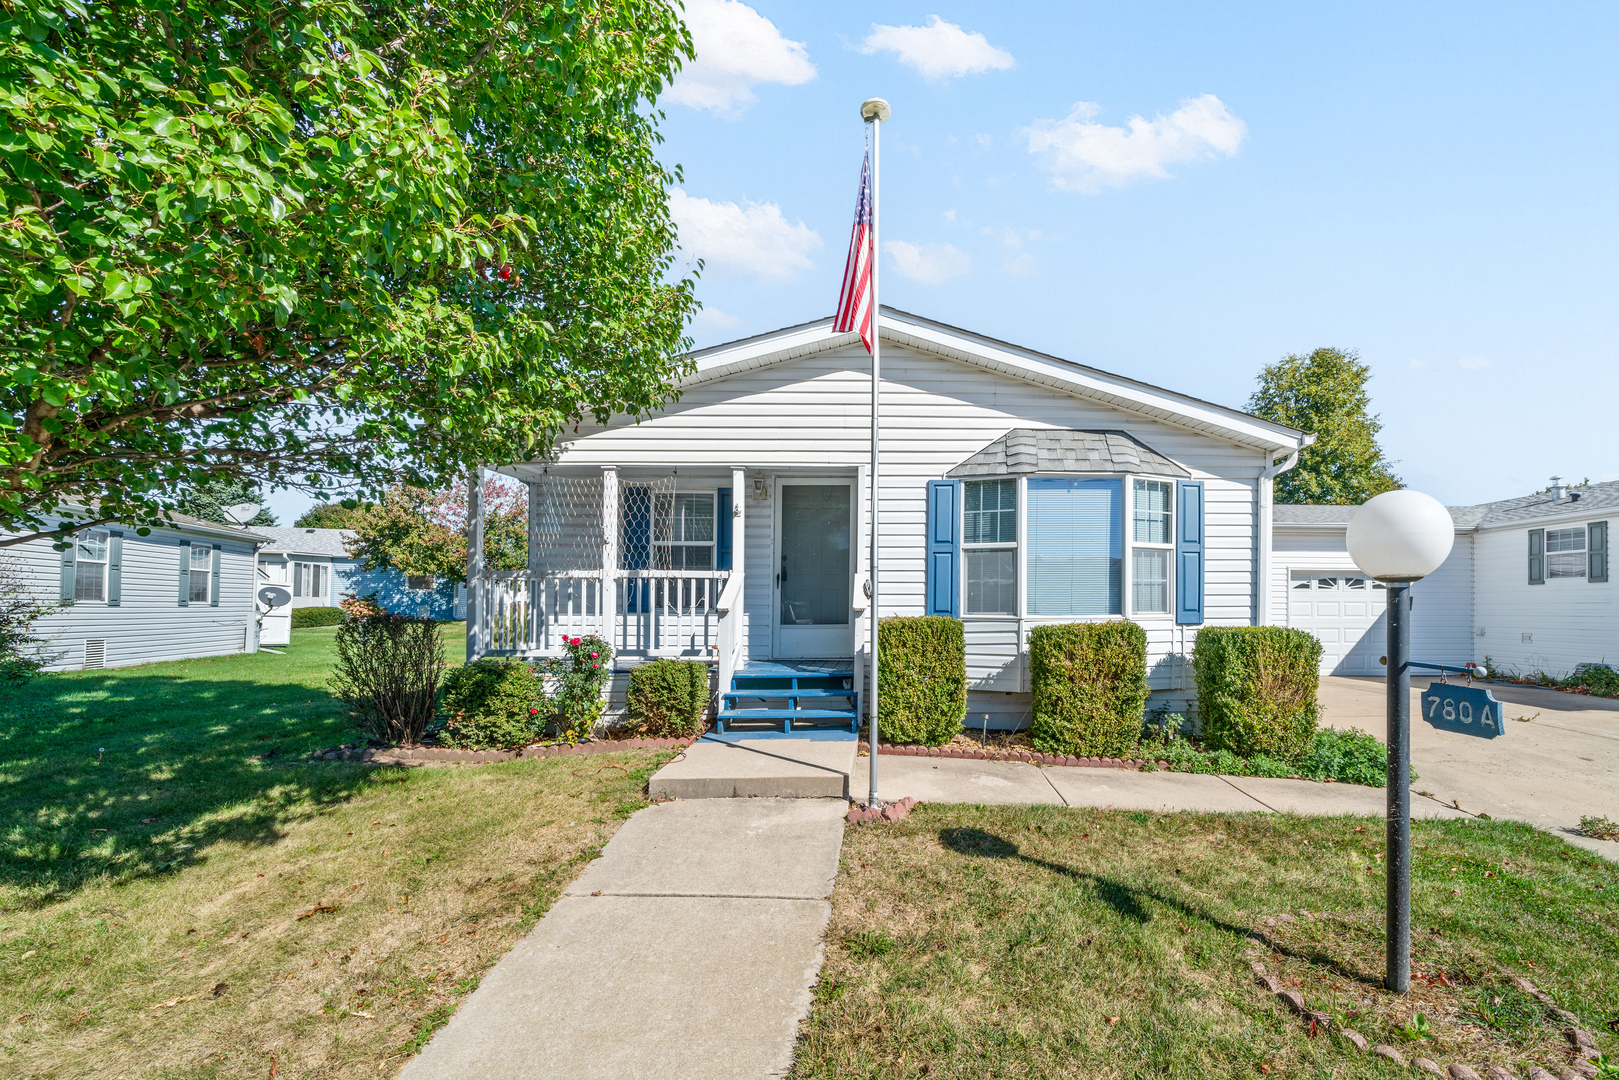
(1184, 193)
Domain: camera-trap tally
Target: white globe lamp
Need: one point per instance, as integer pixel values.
(1400, 536)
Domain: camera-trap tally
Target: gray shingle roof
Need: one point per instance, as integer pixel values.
(307, 541)
(1031, 450)
(1595, 497)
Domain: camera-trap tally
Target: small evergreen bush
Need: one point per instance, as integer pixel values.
(667, 699)
(387, 673)
(1256, 689)
(303, 617)
(492, 704)
(921, 679)
(1090, 688)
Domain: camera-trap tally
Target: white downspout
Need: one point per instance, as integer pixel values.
(1263, 502)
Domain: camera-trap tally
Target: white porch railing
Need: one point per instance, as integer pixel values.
(650, 613)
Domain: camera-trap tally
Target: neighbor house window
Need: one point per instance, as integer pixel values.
(989, 545)
(1565, 552)
(310, 579)
(1152, 537)
(1075, 547)
(90, 565)
(683, 531)
(201, 566)
(420, 581)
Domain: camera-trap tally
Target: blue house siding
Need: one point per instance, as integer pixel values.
(393, 590)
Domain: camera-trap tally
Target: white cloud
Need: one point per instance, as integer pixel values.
(1086, 156)
(927, 263)
(737, 49)
(715, 317)
(939, 50)
(753, 238)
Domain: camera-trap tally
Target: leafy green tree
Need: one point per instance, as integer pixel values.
(297, 242)
(1324, 393)
(417, 531)
(331, 516)
(209, 499)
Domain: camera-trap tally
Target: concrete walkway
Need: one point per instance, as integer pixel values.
(687, 950)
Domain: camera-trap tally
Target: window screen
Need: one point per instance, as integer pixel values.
(201, 560)
(992, 581)
(1149, 579)
(1565, 552)
(90, 565)
(1075, 547)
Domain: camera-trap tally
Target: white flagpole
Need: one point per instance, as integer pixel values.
(875, 111)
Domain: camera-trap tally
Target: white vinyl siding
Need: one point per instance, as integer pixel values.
(1567, 621)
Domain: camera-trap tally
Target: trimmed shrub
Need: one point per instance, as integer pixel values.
(492, 704)
(1090, 688)
(668, 699)
(921, 679)
(303, 617)
(387, 673)
(1256, 689)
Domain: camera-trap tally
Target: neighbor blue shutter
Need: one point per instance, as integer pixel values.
(722, 530)
(185, 573)
(944, 549)
(1189, 552)
(68, 580)
(1598, 570)
(115, 569)
(213, 580)
(1537, 556)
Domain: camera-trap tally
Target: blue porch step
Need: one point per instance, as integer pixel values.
(819, 685)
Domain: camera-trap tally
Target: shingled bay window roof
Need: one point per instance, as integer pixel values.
(1025, 451)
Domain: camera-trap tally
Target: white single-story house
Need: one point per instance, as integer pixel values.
(1018, 489)
(315, 567)
(1526, 586)
(184, 590)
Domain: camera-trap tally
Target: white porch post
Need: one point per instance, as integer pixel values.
(607, 592)
(477, 617)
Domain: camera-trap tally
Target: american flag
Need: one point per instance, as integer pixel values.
(854, 300)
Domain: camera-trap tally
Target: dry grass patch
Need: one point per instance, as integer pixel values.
(1051, 942)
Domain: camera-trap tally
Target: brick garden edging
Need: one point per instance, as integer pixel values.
(1033, 757)
(1582, 1046)
(430, 755)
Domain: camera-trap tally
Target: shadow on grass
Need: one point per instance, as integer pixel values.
(1133, 902)
(132, 772)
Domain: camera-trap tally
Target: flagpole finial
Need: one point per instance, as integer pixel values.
(875, 109)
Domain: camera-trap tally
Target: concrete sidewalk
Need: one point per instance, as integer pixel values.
(687, 950)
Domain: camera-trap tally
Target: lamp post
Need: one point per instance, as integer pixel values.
(1399, 537)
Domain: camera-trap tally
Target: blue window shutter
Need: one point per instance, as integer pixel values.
(68, 573)
(944, 549)
(1189, 552)
(1598, 569)
(115, 569)
(722, 530)
(185, 573)
(213, 580)
(1537, 556)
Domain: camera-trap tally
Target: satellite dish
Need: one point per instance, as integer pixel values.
(242, 513)
(274, 596)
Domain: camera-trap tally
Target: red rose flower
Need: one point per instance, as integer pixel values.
(594, 655)
(534, 712)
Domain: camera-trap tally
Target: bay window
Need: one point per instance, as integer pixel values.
(1075, 558)
(989, 545)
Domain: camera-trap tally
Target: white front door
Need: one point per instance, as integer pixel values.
(1345, 612)
(814, 569)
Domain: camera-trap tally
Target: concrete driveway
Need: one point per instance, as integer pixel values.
(1558, 761)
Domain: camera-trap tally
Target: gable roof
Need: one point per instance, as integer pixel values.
(1030, 450)
(964, 346)
(328, 542)
(1578, 502)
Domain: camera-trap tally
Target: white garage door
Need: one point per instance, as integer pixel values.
(1345, 611)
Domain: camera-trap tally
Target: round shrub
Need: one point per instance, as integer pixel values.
(921, 679)
(303, 617)
(667, 699)
(1090, 688)
(492, 704)
(1256, 689)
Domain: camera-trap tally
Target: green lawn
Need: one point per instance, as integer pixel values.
(181, 895)
(1049, 942)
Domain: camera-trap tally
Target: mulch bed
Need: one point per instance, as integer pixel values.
(443, 755)
(991, 753)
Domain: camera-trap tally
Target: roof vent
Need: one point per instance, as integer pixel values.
(1574, 496)
(1557, 488)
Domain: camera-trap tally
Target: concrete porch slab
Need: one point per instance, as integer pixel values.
(1122, 789)
(737, 767)
(955, 780)
(781, 848)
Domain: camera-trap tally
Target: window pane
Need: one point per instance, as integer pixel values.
(992, 582)
(89, 580)
(1076, 547)
(1152, 512)
(1566, 564)
(1565, 539)
(199, 586)
(1149, 579)
(93, 545)
(694, 557)
(989, 512)
(200, 556)
(695, 517)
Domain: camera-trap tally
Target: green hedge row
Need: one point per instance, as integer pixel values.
(921, 678)
(316, 616)
(668, 699)
(1256, 689)
(1090, 688)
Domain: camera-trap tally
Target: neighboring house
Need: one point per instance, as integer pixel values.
(314, 566)
(182, 591)
(1526, 586)
(1018, 489)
